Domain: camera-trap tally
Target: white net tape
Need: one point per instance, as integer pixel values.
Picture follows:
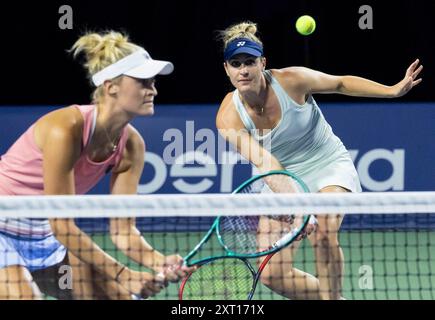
(215, 204)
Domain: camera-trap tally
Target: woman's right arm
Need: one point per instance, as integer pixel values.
(232, 129)
(59, 137)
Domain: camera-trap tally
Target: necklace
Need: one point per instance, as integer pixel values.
(258, 111)
(113, 145)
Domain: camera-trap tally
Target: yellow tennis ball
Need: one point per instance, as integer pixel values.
(305, 25)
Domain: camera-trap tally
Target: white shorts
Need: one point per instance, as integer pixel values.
(30, 253)
(340, 172)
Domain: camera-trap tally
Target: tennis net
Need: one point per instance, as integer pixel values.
(387, 242)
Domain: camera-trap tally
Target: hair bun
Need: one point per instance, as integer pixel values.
(245, 29)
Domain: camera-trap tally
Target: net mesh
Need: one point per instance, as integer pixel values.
(386, 244)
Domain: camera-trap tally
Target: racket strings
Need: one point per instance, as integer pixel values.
(224, 279)
(253, 234)
(239, 234)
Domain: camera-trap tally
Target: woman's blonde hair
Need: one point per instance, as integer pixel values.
(101, 50)
(246, 29)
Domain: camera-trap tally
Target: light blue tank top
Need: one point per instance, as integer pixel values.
(302, 141)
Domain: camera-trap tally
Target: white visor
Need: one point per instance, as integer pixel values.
(139, 64)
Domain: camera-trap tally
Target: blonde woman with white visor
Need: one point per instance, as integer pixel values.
(67, 152)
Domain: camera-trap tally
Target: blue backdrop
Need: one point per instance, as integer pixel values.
(392, 145)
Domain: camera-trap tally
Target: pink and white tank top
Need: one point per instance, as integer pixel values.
(21, 173)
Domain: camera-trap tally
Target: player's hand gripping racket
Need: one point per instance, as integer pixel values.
(225, 273)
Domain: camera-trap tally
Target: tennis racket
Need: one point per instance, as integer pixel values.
(227, 274)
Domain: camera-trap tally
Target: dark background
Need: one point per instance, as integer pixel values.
(37, 70)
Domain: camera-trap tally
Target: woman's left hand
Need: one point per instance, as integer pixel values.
(409, 81)
(174, 268)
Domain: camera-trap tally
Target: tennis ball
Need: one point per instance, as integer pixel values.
(305, 25)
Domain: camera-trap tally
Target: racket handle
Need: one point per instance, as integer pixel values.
(160, 276)
(285, 239)
(293, 233)
(313, 220)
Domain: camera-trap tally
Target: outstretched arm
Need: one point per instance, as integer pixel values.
(312, 81)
